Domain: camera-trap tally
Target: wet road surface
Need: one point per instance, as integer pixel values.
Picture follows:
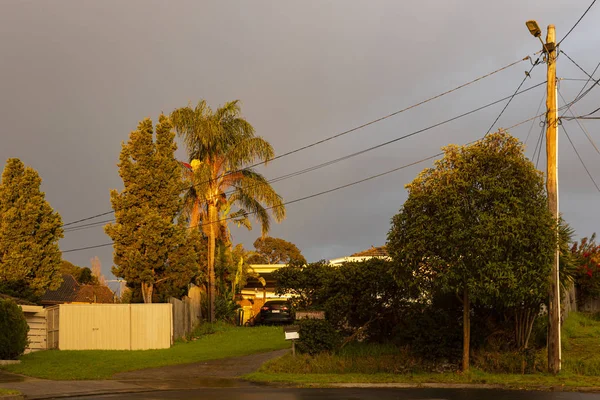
(268, 393)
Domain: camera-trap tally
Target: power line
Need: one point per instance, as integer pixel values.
(576, 23)
(579, 123)
(347, 131)
(315, 194)
(538, 147)
(286, 203)
(88, 218)
(586, 83)
(90, 225)
(533, 121)
(87, 248)
(527, 74)
(346, 157)
(596, 82)
(581, 159)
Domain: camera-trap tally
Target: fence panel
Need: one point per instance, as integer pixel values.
(36, 319)
(186, 315)
(114, 326)
(151, 326)
(52, 326)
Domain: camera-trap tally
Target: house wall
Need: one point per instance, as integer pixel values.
(115, 326)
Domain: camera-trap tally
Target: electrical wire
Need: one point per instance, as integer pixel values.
(346, 157)
(577, 23)
(579, 123)
(309, 196)
(344, 132)
(527, 75)
(90, 225)
(533, 121)
(538, 147)
(581, 159)
(596, 82)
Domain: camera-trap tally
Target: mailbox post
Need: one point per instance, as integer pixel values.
(292, 332)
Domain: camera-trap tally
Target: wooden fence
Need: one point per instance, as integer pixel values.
(52, 321)
(36, 319)
(186, 314)
(114, 326)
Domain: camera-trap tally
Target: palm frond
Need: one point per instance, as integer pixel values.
(256, 186)
(251, 205)
(248, 151)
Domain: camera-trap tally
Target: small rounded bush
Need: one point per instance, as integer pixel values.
(13, 330)
(317, 336)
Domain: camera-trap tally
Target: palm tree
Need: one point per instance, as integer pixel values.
(220, 145)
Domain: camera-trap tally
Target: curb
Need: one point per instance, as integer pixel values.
(81, 394)
(544, 388)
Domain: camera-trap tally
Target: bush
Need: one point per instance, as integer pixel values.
(433, 333)
(225, 308)
(317, 336)
(13, 330)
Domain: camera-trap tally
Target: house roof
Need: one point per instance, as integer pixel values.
(372, 252)
(94, 294)
(65, 293)
(70, 291)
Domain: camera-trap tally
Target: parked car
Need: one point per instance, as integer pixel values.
(276, 312)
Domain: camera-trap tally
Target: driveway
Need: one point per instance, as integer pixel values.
(221, 373)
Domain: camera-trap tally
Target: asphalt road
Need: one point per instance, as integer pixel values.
(267, 393)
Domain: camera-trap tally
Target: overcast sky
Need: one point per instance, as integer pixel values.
(77, 76)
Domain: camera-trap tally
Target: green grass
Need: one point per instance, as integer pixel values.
(516, 381)
(581, 344)
(5, 392)
(222, 341)
(373, 363)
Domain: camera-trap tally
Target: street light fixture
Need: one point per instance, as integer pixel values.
(535, 30)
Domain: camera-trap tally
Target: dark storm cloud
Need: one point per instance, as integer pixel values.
(75, 77)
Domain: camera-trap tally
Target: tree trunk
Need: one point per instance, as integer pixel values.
(466, 329)
(212, 236)
(147, 289)
(524, 319)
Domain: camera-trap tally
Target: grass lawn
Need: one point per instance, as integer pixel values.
(387, 364)
(5, 392)
(221, 342)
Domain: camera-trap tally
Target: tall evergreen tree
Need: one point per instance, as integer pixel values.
(30, 229)
(151, 245)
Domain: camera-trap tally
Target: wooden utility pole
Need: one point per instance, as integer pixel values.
(554, 342)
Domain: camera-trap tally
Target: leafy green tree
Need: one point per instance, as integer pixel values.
(151, 245)
(221, 146)
(270, 250)
(477, 225)
(29, 233)
(82, 275)
(307, 284)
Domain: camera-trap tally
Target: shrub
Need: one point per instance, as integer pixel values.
(317, 336)
(433, 333)
(13, 330)
(225, 308)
